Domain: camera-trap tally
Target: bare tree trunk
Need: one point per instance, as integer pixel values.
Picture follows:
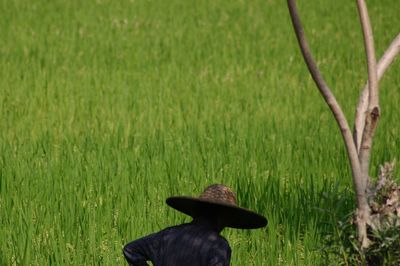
(359, 145)
(363, 209)
(372, 116)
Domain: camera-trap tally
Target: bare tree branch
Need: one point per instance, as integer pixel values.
(386, 60)
(362, 204)
(373, 111)
(370, 53)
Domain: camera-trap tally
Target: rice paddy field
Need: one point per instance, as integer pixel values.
(109, 107)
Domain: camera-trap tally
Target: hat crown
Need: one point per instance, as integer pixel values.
(219, 193)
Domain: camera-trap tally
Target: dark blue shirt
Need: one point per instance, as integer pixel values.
(183, 245)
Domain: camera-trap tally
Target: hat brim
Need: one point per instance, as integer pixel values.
(234, 216)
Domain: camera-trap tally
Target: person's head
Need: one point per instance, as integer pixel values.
(213, 214)
(217, 205)
(214, 222)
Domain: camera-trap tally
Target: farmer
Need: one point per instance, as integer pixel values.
(198, 243)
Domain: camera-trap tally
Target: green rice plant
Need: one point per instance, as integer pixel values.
(109, 107)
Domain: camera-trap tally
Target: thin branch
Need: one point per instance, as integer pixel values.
(386, 60)
(373, 111)
(322, 86)
(370, 53)
(362, 204)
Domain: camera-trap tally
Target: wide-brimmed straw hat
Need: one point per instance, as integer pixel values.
(218, 200)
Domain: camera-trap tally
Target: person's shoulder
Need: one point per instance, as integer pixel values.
(222, 241)
(217, 240)
(219, 252)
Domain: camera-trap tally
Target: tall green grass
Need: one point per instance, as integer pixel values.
(108, 107)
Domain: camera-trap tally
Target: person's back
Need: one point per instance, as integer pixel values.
(198, 243)
(194, 244)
